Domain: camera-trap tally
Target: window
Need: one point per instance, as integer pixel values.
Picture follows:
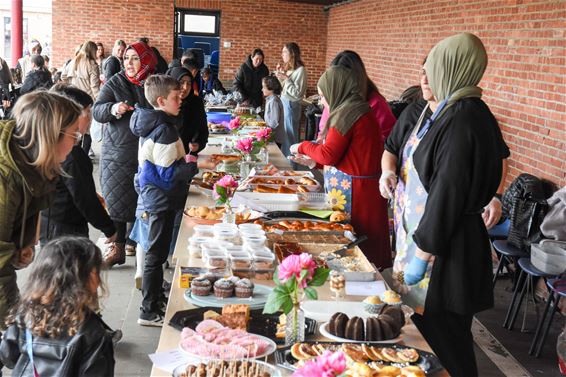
(8, 36)
(200, 23)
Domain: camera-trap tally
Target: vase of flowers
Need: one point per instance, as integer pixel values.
(222, 191)
(295, 278)
(329, 364)
(234, 125)
(263, 138)
(245, 147)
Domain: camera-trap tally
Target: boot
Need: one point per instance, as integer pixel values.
(130, 250)
(115, 254)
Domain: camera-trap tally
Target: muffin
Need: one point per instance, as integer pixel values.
(223, 288)
(200, 286)
(212, 277)
(391, 298)
(244, 288)
(373, 304)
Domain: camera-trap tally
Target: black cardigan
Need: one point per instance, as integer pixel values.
(459, 162)
(192, 123)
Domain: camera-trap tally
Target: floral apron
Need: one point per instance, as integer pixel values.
(408, 209)
(338, 188)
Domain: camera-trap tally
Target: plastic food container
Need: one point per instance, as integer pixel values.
(264, 263)
(225, 226)
(260, 251)
(243, 273)
(237, 251)
(216, 261)
(549, 257)
(229, 235)
(251, 232)
(257, 241)
(264, 274)
(247, 227)
(203, 230)
(240, 262)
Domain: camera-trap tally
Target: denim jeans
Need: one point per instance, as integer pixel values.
(292, 120)
(159, 239)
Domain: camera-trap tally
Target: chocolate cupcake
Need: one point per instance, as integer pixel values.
(223, 288)
(244, 288)
(212, 277)
(200, 286)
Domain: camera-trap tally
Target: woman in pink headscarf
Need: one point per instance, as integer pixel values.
(119, 160)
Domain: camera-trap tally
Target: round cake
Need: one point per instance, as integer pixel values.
(383, 327)
(223, 288)
(244, 288)
(337, 324)
(355, 329)
(200, 286)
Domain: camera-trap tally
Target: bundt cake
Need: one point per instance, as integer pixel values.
(387, 325)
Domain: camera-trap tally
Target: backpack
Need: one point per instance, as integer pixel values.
(524, 202)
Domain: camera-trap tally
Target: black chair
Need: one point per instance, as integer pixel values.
(507, 254)
(556, 290)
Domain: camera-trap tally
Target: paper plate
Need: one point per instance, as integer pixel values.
(268, 351)
(324, 331)
(256, 302)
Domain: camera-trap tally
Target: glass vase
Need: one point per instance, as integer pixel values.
(245, 166)
(263, 156)
(229, 215)
(295, 325)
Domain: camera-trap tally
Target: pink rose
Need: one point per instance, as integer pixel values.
(227, 181)
(291, 266)
(263, 134)
(234, 123)
(310, 369)
(245, 145)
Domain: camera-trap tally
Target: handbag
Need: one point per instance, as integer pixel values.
(527, 214)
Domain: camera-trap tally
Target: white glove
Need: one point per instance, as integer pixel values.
(387, 184)
(302, 159)
(294, 149)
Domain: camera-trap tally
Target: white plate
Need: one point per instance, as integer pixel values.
(324, 331)
(271, 369)
(256, 302)
(268, 351)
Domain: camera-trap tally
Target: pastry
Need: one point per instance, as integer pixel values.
(412, 371)
(374, 300)
(200, 286)
(223, 288)
(389, 371)
(307, 181)
(302, 189)
(408, 355)
(355, 329)
(337, 324)
(210, 314)
(264, 274)
(285, 190)
(263, 188)
(202, 211)
(355, 352)
(391, 297)
(337, 216)
(244, 288)
(212, 277)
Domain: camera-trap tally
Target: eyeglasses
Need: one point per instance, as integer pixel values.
(77, 135)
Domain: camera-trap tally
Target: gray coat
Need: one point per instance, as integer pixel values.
(119, 157)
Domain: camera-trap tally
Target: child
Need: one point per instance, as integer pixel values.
(210, 82)
(271, 89)
(39, 77)
(161, 182)
(57, 314)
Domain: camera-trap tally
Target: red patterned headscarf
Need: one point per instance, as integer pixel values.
(148, 62)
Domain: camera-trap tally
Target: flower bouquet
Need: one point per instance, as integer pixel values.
(296, 276)
(234, 125)
(329, 364)
(222, 191)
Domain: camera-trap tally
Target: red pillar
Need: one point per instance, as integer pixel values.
(17, 31)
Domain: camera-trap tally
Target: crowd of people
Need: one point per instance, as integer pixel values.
(440, 162)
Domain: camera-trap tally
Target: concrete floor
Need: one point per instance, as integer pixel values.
(121, 309)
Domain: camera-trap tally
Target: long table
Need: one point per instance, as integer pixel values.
(170, 337)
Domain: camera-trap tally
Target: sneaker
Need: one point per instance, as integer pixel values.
(130, 250)
(151, 319)
(138, 280)
(115, 255)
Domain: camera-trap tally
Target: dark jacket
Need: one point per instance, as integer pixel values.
(192, 123)
(161, 66)
(119, 156)
(23, 193)
(248, 82)
(89, 353)
(459, 162)
(212, 84)
(36, 79)
(75, 200)
(110, 66)
(163, 175)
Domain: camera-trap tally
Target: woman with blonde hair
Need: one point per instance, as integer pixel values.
(293, 77)
(32, 147)
(55, 331)
(85, 73)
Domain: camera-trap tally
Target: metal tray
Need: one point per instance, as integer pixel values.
(427, 361)
(260, 324)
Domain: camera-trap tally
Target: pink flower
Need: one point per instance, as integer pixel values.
(310, 369)
(227, 181)
(264, 134)
(234, 123)
(307, 264)
(245, 145)
(291, 266)
(329, 364)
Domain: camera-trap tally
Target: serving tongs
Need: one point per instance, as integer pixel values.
(343, 251)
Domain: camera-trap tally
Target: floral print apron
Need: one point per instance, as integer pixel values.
(408, 209)
(338, 188)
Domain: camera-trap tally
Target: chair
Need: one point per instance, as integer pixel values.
(556, 290)
(204, 46)
(507, 253)
(524, 282)
(499, 231)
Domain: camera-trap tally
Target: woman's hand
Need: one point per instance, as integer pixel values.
(492, 213)
(193, 147)
(23, 257)
(294, 149)
(122, 108)
(387, 184)
(302, 159)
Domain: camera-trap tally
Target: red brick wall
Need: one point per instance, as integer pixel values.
(268, 24)
(524, 85)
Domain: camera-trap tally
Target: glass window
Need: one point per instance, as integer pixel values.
(196, 23)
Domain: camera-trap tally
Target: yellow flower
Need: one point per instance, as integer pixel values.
(336, 199)
(423, 284)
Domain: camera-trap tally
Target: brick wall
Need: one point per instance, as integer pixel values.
(269, 25)
(524, 85)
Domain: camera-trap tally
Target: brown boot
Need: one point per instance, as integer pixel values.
(115, 254)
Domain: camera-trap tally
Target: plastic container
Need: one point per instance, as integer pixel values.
(225, 226)
(249, 227)
(251, 232)
(228, 235)
(240, 262)
(252, 241)
(243, 272)
(203, 230)
(237, 251)
(216, 261)
(260, 252)
(264, 274)
(264, 263)
(549, 258)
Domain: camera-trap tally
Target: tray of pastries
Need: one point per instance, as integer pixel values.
(227, 368)
(371, 360)
(298, 225)
(225, 157)
(217, 128)
(206, 182)
(281, 184)
(212, 215)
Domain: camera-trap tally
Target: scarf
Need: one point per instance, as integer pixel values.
(454, 67)
(345, 104)
(148, 62)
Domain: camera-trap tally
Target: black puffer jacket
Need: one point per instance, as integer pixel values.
(191, 122)
(248, 82)
(119, 157)
(89, 353)
(36, 79)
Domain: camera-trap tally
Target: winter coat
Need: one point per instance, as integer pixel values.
(23, 193)
(89, 353)
(248, 82)
(110, 66)
(76, 201)
(86, 77)
(553, 224)
(36, 79)
(163, 176)
(118, 161)
(191, 123)
(212, 84)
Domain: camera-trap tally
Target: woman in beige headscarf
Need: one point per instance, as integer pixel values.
(447, 154)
